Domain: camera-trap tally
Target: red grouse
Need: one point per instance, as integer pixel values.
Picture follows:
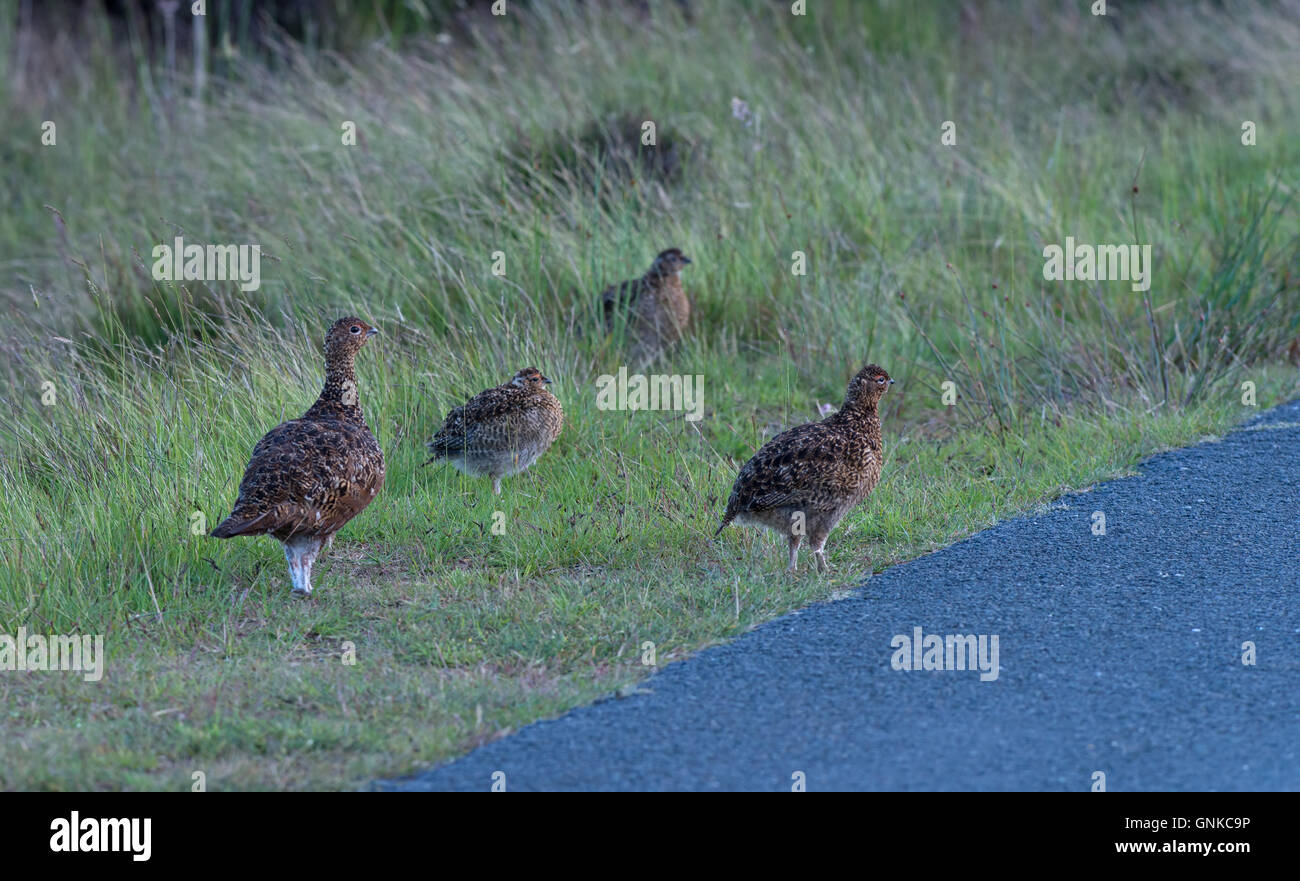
(804, 480)
(654, 307)
(501, 431)
(309, 476)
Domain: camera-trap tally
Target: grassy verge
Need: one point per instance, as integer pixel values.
(923, 257)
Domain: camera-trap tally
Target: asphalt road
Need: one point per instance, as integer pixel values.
(1119, 653)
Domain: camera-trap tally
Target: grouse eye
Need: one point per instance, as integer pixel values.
(356, 328)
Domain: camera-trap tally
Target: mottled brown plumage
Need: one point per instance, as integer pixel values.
(502, 430)
(803, 481)
(309, 476)
(655, 307)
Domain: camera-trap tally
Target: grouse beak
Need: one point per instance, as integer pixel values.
(545, 380)
(372, 332)
(891, 382)
(686, 259)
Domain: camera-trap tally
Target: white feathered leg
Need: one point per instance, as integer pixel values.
(301, 551)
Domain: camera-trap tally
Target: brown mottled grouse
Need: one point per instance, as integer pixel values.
(311, 475)
(502, 430)
(655, 305)
(803, 481)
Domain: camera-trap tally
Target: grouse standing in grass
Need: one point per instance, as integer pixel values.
(502, 430)
(311, 475)
(804, 480)
(654, 305)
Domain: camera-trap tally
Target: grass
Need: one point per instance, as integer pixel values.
(922, 257)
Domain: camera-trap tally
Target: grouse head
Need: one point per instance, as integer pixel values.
(530, 378)
(669, 262)
(345, 338)
(868, 385)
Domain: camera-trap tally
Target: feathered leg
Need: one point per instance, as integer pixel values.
(294, 558)
(819, 553)
(301, 553)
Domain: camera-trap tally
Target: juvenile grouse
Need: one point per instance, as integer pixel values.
(655, 306)
(502, 430)
(804, 480)
(311, 475)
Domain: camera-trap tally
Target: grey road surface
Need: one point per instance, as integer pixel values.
(1119, 653)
